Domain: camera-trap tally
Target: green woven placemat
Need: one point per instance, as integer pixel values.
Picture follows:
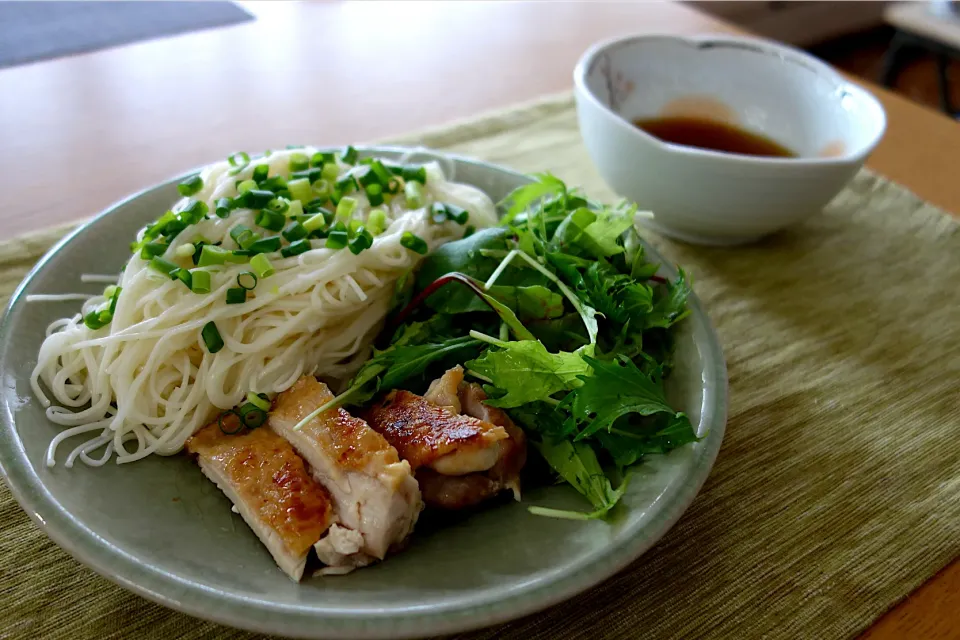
(836, 492)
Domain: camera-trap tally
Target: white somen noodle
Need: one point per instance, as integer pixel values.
(145, 382)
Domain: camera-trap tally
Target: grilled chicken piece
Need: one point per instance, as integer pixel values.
(428, 435)
(270, 488)
(459, 460)
(373, 490)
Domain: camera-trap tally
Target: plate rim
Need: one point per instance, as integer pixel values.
(113, 563)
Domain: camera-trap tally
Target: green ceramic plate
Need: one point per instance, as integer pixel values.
(159, 528)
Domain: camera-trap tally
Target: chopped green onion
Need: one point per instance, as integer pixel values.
(260, 172)
(160, 225)
(365, 176)
(361, 241)
(194, 212)
(295, 209)
(267, 245)
(198, 246)
(239, 159)
(173, 229)
(278, 205)
(414, 194)
(114, 297)
(346, 184)
(393, 186)
(315, 222)
(316, 206)
(295, 231)
(271, 220)
(393, 167)
(226, 429)
(380, 171)
(338, 237)
(321, 158)
(414, 243)
(109, 290)
(236, 295)
(260, 401)
(239, 256)
(252, 416)
(377, 221)
(307, 174)
(183, 276)
(185, 250)
(246, 185)
(275, 184)
(152, 249)
(296, 248)
(224, 207)
(94, 321)
(330, 172)
(469, 231)
(349, 155)
(190, 186)
(345, 208)
(247, 280)
(322, 190)
(414, 173)
(261, 264)
(211, 255)
(354, 226)
(211, 337)
(375, 194)
(243, 236)
(299, 161)
(458, 215)
(441, 212)
(200, 282)
(165, 267)
(336, 240)
(300, 189)
(257, 198)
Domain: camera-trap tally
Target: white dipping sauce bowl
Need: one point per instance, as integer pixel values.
(710, 197)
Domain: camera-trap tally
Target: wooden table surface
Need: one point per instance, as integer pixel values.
(77, 134)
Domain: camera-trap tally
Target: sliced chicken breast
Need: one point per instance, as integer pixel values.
(270, 488)
(373, 490)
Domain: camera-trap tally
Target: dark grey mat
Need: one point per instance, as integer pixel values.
(40, 30)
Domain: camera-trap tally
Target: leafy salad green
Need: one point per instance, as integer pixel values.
(564, 321)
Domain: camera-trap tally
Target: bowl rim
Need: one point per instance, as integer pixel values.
(754, 44)
(257, 615)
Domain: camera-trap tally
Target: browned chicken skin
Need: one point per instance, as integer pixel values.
(459, 460)
(270, 487)
(425, 434)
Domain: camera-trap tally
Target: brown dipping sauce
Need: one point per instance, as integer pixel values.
(713, 135)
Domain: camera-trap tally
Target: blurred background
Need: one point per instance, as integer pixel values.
(911, 47)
